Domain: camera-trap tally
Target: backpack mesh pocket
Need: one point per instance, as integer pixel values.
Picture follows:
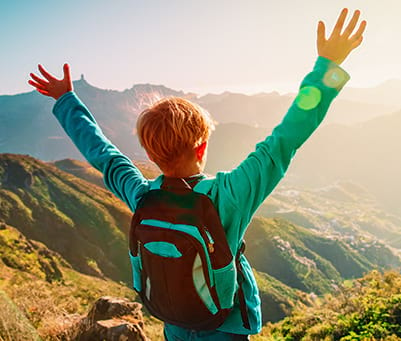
(136, 271)
(226, 284)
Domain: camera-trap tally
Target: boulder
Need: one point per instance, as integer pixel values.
(112, 319)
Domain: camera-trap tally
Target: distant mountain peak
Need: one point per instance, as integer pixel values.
(81, 82)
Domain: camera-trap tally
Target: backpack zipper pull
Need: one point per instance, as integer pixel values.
(210, 244)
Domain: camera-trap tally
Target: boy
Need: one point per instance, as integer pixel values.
(174, 133)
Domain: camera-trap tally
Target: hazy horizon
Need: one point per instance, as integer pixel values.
(194, 46)
(217, 91)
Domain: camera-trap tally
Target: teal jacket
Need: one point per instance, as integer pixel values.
(236, 194)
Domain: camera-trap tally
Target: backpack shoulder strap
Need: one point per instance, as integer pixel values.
(156, 183)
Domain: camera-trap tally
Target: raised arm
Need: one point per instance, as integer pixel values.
(120, 175)
(250, 183)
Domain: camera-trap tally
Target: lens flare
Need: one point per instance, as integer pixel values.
(333, 78)
(308, 98)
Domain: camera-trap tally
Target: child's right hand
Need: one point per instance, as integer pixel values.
(339, 45)
(51, 86)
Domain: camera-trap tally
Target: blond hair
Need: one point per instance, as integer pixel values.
(170, 129)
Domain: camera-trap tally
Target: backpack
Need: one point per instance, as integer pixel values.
(183, 268)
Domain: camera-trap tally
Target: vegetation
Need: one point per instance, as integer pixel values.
(277, 299)
(63, 244)
(343, 211)
(309, 261)
(42, 296)
(364, 309)
(79, 220)
(86, 172)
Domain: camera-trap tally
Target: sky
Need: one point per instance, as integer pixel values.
(196, 46)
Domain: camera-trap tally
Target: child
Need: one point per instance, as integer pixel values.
(175, 132)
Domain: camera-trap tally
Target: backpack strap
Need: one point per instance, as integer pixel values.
(169, 183)
(175, 184)
(240, 292)
(205, 187)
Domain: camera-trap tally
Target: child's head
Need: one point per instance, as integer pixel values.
(171, 131)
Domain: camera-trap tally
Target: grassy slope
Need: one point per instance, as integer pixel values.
(342, 210)
(365, 309)
(47, 203)
(84, 223)
(41, 295)
(278, 299)
(86, 172)
(304, 259)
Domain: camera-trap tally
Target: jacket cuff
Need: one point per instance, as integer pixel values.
(62, 99)
(334, 76)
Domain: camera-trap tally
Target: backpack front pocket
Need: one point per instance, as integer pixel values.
(169, 287)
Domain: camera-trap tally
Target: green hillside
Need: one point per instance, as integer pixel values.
(41, 295)
(82, 170)
(86, 172)
(278, 299)
(63, 244)
(365, 309)
(87, 225)
(342, 210)
(306, 260)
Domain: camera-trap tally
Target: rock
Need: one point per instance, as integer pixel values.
(114, 330)
(112, 319)
(17, 176)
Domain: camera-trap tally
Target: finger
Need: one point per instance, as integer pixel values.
(352, 23)
(360, 31)
(357, 42)
(43, 92)
(45, 74)
(67, 73)
(340, 22)
(38, 80)
(37, 85)
(321, 32)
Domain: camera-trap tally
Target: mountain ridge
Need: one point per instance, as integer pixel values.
(25, 126)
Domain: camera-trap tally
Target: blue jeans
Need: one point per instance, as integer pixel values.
(173, 333)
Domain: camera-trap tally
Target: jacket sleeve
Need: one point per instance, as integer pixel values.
(119, 173)
(254, 179)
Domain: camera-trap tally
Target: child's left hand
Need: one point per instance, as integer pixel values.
(341, 41)
(51, 86)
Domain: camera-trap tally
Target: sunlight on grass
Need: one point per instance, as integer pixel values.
(14, 326)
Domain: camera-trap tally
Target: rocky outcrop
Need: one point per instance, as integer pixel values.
(17, 176)
(111, 319)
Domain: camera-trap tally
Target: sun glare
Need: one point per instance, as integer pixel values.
(308, 98)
